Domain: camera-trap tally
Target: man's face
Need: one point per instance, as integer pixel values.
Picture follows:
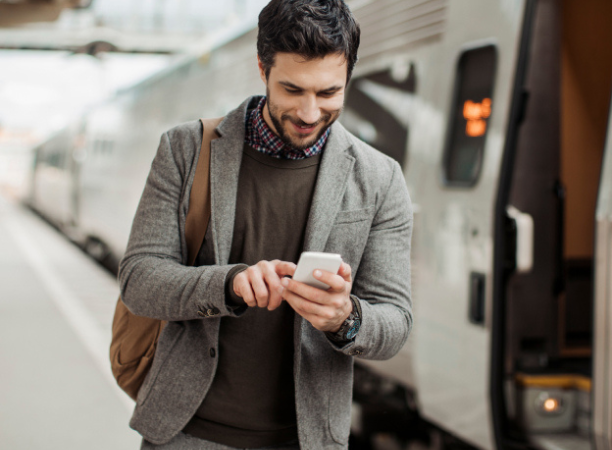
(304, 97)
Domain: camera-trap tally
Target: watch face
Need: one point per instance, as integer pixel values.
(353, 330)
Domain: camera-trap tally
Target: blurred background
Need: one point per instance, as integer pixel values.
(59, 61)
(60, 58)
(497, 111)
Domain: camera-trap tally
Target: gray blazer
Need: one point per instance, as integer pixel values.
(360, 209)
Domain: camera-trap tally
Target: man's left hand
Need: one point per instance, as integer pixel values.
(325, 310)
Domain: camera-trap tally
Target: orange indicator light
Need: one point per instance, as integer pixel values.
(551, 405)
(475, 113)
(475, 128)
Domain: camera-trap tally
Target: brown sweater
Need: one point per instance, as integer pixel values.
(251, 402)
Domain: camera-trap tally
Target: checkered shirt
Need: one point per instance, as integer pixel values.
(260, 137)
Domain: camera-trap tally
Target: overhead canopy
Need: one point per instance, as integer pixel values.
(18, 12)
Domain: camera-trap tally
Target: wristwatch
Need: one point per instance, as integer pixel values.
(350, 326)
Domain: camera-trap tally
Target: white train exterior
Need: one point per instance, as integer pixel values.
(481, 102)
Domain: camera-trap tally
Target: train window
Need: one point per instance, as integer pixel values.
(103, 146)
(371, 111)
(56, 158)
(470, 113)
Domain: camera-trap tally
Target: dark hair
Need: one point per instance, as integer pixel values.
(311, 28)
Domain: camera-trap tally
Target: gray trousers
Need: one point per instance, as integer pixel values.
(184, 441)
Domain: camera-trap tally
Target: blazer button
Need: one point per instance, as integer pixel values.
(201, 314)
(215, 311)
(209, 312)
(212, 352)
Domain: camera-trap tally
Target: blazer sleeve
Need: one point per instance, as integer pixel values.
(153, 281)
(382, 282)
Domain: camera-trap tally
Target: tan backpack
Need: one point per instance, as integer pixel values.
(135, 338)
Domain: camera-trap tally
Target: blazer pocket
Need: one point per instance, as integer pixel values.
(354, 215)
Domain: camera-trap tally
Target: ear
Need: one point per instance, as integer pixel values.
(262, 71)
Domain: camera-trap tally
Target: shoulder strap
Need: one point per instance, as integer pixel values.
(199, 212)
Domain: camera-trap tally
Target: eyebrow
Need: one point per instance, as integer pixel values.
(293, 86)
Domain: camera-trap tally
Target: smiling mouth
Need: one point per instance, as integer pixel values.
(306, 129)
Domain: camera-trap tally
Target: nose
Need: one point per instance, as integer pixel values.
(308, 110)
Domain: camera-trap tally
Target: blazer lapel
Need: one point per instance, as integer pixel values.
(334, 170)
(225, 159)
(336, 165)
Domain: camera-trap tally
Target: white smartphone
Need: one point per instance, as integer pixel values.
(309, 261)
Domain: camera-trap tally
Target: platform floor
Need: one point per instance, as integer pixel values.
(56, 306)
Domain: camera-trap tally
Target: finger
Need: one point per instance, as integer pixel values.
(304, 307)
(242, 287)
(259, 288)
(275, 299)
(272, 281)
(319, 316)
(310, 293)
(335, 282)
(346, 272)
(284, 268)
(274, 302)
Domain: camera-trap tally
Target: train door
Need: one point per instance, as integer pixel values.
(440, 84)
(454, 228)
(451, 111)
(543, 340)
(602, 366)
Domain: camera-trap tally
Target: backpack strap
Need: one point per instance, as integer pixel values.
(198, 215)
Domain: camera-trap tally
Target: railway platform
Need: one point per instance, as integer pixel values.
(56, 307)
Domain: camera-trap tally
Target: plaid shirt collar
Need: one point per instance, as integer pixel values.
(260, 137)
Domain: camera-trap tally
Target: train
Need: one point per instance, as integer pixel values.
(499, 113)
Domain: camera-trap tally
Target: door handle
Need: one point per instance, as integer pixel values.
(524, 239)
(476, 313)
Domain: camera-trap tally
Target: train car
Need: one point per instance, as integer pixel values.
(53, 183)
(498, 112)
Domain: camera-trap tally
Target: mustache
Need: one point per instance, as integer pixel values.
(301, 123)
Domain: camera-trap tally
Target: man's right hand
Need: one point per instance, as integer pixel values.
(259, 284)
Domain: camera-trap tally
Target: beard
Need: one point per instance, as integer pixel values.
(278, 119)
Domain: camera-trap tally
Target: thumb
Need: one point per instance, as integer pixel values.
(285, 268)
(345, 272)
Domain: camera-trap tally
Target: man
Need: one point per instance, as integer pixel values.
(251, 358)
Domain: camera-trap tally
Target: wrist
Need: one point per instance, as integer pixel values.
(350, 326)
(348, 310)
(232, 297)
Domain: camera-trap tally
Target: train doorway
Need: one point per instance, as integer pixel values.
(543, 372)
(602, 364)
